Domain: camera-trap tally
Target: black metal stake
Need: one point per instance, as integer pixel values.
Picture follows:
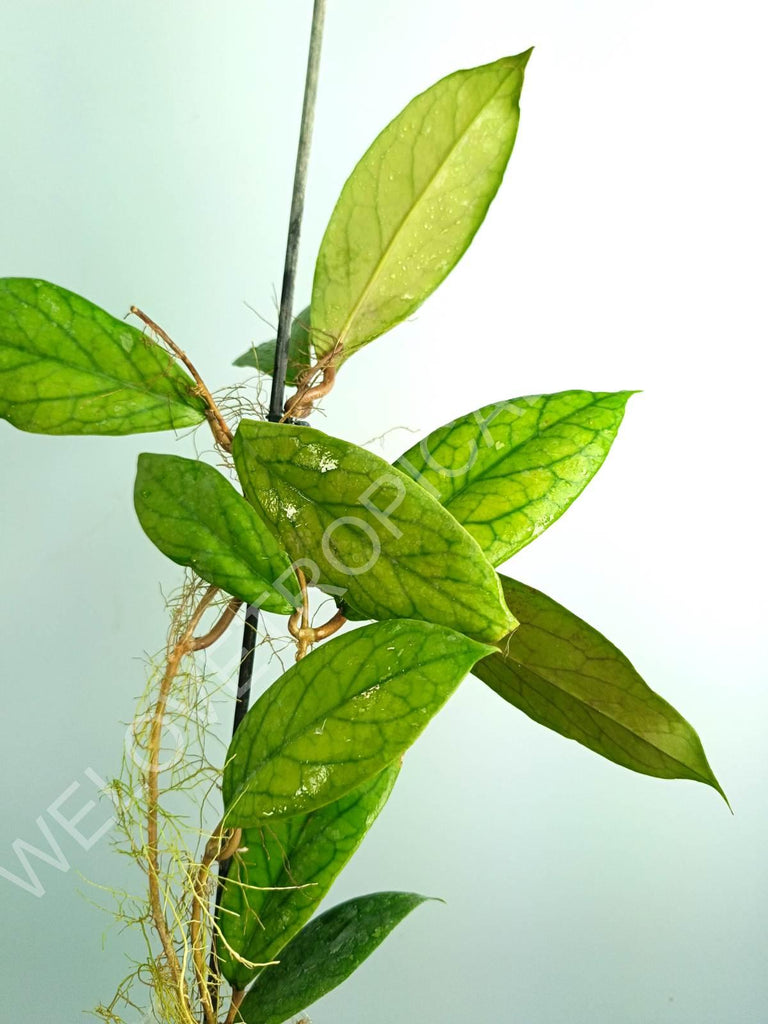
(277, 396)
(297, 210)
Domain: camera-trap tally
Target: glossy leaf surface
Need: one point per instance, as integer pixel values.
(413, 203)
(371, 533)
(68, 367)
(262, 356)
(285, 870)
(340, 716)
(507, 471)
(197, 518)
(565, 675)
(324, 954)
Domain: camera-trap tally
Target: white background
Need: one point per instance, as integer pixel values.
(147, 155)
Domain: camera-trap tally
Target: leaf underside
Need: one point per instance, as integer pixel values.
(568, 677)
(262, 357)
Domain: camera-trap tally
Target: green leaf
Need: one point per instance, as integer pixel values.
(565, 675)
(262, 357)
(284, 871)
(411, 207)
(507, 471)
(324, 954)
(365, 530)
(197, 518)
(67, 367)
(340, 716)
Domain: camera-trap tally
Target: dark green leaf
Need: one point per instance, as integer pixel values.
(197, 518)
(340, 716)
(567, 676)
(67, 367)
(367, 531)
(262, 357)
(284, 871)
(507, 471)
(412, 205)
(324, 954)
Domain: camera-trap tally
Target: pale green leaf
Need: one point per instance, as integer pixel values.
(340, 716)
(68, 367)
(507, 471)
(197, 518)
(565, 675)
(284, 870)
(262, 356)
(412, 205)
(324, 954)
(366, 531)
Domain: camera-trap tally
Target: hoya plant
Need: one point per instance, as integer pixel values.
(384, 576)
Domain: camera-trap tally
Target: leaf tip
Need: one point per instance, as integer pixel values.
(712, 781)
(708, 777)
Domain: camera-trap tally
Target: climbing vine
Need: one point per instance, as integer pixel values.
(407, 554)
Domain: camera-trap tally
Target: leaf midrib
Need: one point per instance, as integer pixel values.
(409, 213)
(292, 736)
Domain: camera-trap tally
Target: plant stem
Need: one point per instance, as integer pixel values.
(216, 849)
(242, 700)
(184, 645)
(237, 998)
(297, 209)
(222, 435)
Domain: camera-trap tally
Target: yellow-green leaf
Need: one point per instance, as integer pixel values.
(366, 531)
(507, 471)
(411, 207)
